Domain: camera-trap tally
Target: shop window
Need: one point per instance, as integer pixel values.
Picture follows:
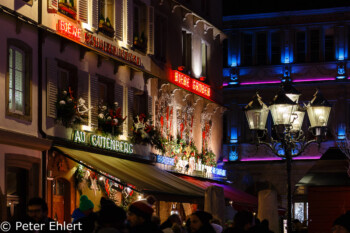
(107, 17)
(300, 46)
(18, 80)
(329, 51)
(160, 37)
(68, 8)
(204, 51)
(261, 48)
(105, 92)
(187, 50)
(140, 29)
(314, 45)
(300, 211)
(276, 48)
(247, 49)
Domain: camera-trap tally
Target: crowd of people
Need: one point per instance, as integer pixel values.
(139, 218)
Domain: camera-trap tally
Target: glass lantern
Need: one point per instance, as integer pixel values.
(282, 108)
(318, 111)
(256, 112)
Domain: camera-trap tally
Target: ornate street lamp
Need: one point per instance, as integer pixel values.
(288, 118)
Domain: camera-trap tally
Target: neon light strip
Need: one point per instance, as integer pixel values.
(311, 80)
(277, 158)
(263, 82)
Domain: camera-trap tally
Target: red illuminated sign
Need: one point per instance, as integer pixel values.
(69, 30)
(96, 42)
(191, 84)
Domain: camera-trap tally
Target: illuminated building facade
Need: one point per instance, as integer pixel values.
(85, 75)
(310, 49)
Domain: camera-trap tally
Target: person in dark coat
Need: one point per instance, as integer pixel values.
(242, 222)
(37, 214)
(200, 222)
(139, 218)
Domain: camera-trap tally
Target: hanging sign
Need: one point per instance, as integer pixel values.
(103, 142)
(191, 84)
(100, 44)
(197, 166)
(69, 30)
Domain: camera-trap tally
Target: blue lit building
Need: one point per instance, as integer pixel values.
(309, 48)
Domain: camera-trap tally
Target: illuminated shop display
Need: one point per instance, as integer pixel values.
(183, 166)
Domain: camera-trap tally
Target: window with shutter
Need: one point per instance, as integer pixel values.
(130, 109)
(83, 11)
(150, 46)
(94, 85)
(68, 8)
(140, 27)
(95, 14)
(160, 35)
(106, 23)
(130, 24)
(52, 6)
(119, 19)
(51, 72)
(18, 90)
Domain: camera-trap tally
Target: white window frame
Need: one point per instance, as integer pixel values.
(112, 21)
(12, 106)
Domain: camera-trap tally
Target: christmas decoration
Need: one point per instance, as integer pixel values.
(70, 111)
(110, 120)
(143, 132)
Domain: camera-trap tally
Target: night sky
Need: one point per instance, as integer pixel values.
(236, 7)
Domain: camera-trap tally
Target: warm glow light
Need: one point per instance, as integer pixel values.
(69, 30)
(191, 84)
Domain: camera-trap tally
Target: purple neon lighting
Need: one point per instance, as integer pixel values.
(294, 81)
(278, 158)
(262, 82)
(313, 79)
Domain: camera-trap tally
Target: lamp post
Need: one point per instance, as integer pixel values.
(288, 140)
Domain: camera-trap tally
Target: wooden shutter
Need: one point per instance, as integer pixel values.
(95, 13)
(130, 10)
(150, 46)
(94, 100)
(83, 11)
(53, 6)
(118, 95)
(150, 106)
(52, 90)
(130, 109)
(119, 19)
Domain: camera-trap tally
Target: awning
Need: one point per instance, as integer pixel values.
(240, 200)
(147, 178)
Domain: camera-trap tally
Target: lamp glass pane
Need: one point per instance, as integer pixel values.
(293, 97)
(281, 113)
(318, 115)
(257, 118)
(297, 119)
